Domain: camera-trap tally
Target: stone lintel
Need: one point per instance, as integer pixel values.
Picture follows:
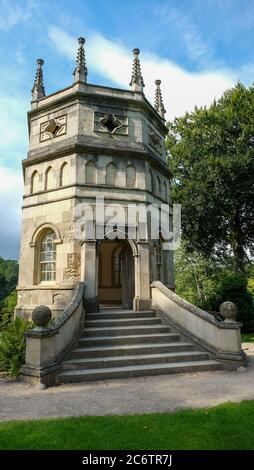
(56, 286)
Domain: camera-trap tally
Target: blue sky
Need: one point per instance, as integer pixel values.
(199, 48)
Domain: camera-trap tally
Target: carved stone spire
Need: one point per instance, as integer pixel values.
(137, 82)
(80, 72)
(158, 103)
(38, 90)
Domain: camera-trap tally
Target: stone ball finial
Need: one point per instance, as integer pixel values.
(157, 82)
(81, 40)
(136, 51)
(40, 62)
(41, 315)
(229, 311)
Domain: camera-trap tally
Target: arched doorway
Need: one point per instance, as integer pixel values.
(116, 273)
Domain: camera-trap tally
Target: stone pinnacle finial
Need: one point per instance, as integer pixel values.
(137, 82)
(158, 103)
(38, 90)
(80, 72)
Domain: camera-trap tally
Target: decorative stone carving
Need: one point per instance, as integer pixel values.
(158, 103)
(137, 82)
(60, 297)
(111, 123)
(80, 72)
(38, 90)
(154, 141)
(67, 230)
(53, 128)
(73, 266)
(41, 316)
(229, 311)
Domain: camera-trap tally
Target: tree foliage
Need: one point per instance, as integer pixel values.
(212, 159)
(8, 278)
(196, 275)
(207, 282)
(9, 304)
(13, 346)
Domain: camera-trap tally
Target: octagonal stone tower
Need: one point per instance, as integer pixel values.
(87, 141)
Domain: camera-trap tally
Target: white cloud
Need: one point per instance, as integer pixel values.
(182, 90)
(13, 127)
(198, 48)
(10, 182)
(11, 14)
(11, 187)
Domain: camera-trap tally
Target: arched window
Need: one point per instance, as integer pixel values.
(49, 179)
(111, 174)
(131, 176)
(64, 176)
(165, 190)
(48, 257)
(158, 185)
(35, 185)
(91, 173)
(150, 181)
(117, 266)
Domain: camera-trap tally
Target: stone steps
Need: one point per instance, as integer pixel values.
(119, 343)
(122, 314)
(125, 330)
(129, 349)
(122, 322)
(83, 375)
(127, 339)
(131, 360)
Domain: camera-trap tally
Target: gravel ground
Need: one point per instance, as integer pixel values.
(163, 393)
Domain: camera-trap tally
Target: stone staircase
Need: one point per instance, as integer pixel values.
(120, 343)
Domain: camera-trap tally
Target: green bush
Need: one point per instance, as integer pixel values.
(12, 346)
(233, 287)
(9, 305)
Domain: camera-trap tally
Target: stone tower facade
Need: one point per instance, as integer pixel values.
(85, 142)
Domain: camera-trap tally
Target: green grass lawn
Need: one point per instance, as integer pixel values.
(228, 426)
(248, 337)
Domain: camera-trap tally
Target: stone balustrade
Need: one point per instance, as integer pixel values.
(221, 339)
(47, 344)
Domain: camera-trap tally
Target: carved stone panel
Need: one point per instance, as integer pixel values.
(53, 128)
(111, 123)
(154, 141)
(73, 267)
(60, 297)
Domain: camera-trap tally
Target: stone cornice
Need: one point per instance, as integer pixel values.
(82, 145)
(116, 189)
(124, 98)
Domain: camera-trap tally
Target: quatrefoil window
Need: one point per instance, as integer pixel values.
(155, 140)
(52, 127)
(111, 123)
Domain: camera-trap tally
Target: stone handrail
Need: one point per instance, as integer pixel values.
(221, 339)
(47, 346)
(192, 308)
